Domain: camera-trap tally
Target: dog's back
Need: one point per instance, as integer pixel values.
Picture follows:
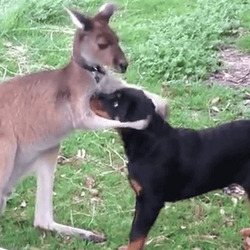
(189, 162)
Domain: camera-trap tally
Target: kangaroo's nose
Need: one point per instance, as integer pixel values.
(123, 67)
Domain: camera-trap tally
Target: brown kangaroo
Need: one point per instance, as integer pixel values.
(37, 111)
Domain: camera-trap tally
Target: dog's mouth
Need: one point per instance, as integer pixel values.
(97, 107)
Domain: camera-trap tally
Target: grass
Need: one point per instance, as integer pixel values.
(172, 46)
(243, 42)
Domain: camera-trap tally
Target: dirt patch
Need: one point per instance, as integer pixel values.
(236, 70)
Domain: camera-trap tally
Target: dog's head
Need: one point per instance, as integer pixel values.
(125, 105)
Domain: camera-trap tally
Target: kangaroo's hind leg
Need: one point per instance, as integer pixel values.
(45, 167)
(7, 158)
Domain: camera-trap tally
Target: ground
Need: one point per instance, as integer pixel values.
(236, 66)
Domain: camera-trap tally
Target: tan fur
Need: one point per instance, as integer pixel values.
(136, 186)
(96, 106)
(134, 245)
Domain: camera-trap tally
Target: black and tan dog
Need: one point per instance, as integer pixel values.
(171, 164)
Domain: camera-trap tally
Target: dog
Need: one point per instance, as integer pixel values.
(38, 110)
(167, 164)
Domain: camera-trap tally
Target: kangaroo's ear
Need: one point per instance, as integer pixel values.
(81, 21)
(106, 11)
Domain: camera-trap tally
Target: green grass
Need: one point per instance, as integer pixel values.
(172, 47)
(243, 42)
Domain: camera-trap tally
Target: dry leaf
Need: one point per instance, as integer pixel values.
(23, 204)
(222, 211)
(81, 153)
(94, 192)
(198, 212)
(208, 236)
(215, 101)
(214, 108)
(90, 182)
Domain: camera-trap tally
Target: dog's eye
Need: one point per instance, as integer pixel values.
(119, 95)
(115, 104)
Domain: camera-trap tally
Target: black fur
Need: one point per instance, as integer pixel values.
(83, 20)
(172, 164)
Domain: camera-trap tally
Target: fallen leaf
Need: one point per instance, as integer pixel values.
(215, 101)
(94, 192)
(214, 108)
(81, 153)
(23, 204)
(90, 182)
(208, 236)
(198, 212)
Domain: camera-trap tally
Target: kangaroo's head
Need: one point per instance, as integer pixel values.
(95, 43)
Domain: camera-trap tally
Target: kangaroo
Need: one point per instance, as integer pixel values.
(38, 110)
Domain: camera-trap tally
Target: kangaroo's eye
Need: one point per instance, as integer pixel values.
(115, 104)
(103, 45)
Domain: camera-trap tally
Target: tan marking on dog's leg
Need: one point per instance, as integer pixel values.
(246, 231)
(134, 245)
(137, 244)
(136, 186)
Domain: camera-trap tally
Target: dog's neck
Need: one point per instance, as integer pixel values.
(141, 139)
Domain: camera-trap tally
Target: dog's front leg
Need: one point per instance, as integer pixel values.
(146, 212)
(45, 167)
